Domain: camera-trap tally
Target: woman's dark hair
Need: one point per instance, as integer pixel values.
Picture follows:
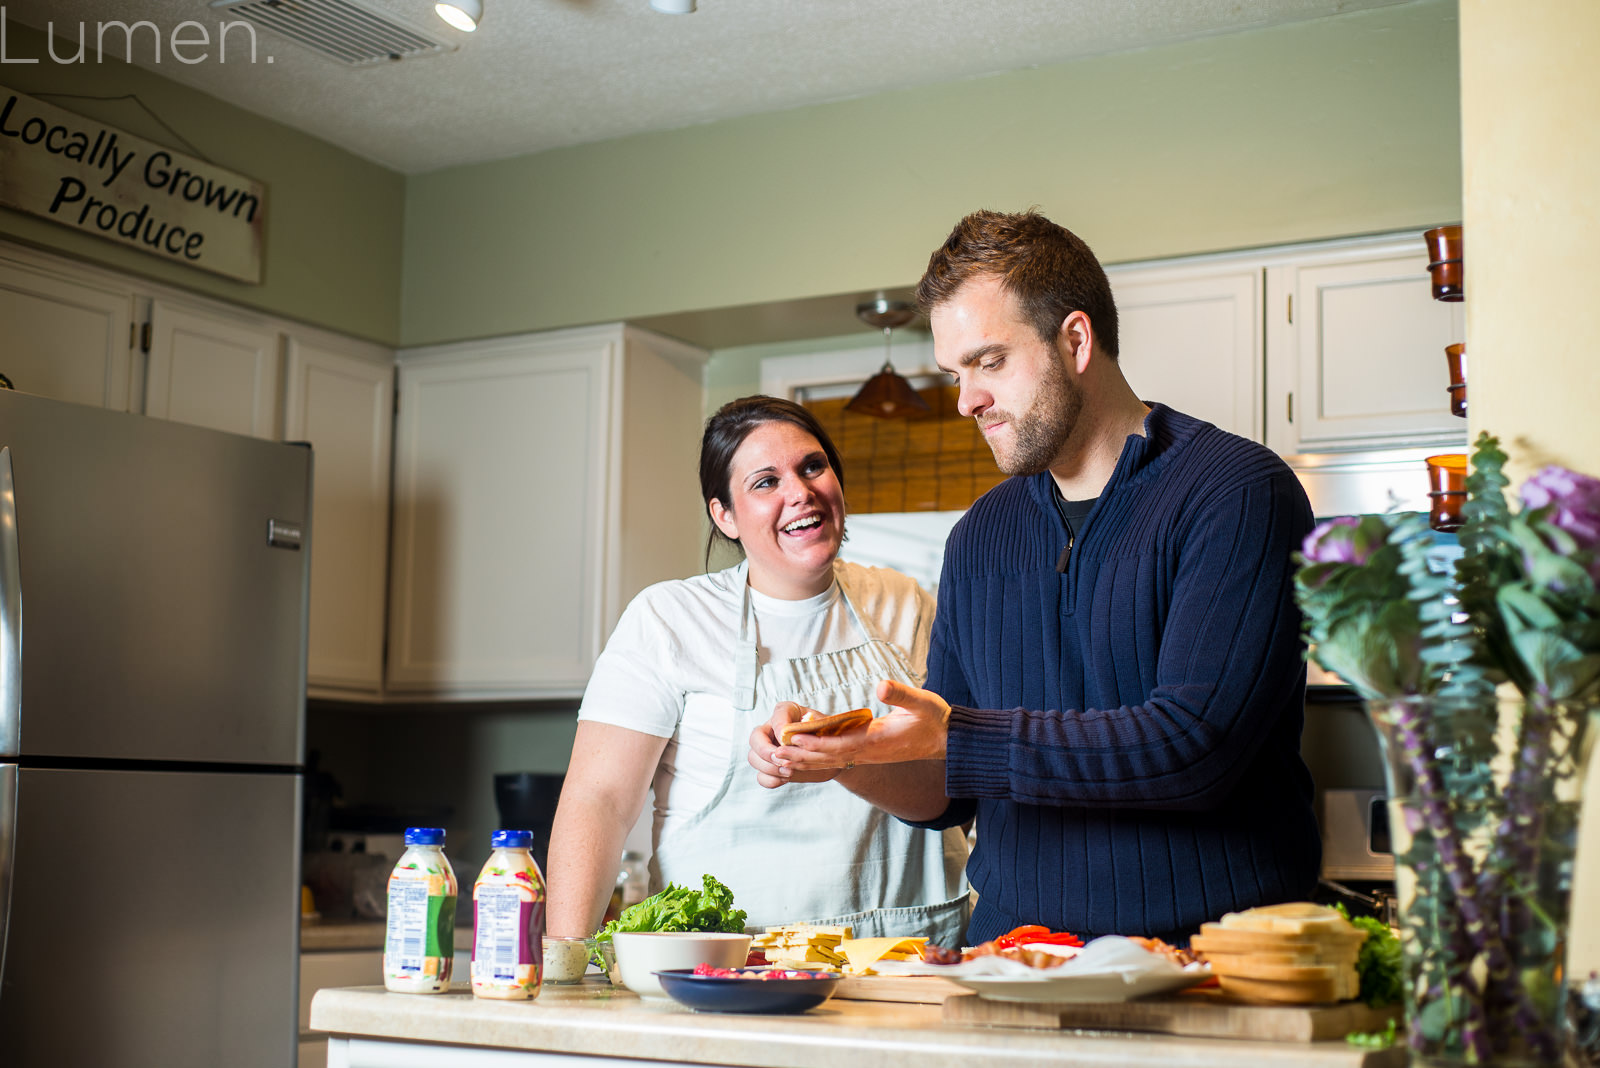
(726, 431)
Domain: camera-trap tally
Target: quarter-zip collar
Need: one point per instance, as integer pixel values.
(1141, 459)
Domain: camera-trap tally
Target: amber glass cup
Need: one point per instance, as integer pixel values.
(1456, 356)
(1447, 495)
(1446, 262)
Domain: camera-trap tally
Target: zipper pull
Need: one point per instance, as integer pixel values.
(1066, 555)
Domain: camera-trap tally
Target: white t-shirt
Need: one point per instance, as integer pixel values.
(667, 669)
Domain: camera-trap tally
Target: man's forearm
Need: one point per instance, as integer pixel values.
(912, 791)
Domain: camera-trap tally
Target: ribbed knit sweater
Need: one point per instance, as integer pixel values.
(1128, 732)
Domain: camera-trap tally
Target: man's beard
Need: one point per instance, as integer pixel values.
(1042, 431)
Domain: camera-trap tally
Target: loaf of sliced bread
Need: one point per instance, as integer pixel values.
(1293, 953)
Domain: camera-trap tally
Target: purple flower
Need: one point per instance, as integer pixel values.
(1339, 541)
(1576, 501)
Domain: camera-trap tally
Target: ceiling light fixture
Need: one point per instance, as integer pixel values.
(462, 14)
(673, 7)
(887, 394)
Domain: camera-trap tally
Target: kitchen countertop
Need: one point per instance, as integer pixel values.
(595, 1019)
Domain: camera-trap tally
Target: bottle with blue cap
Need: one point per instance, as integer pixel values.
(508, 921)
(419, 949)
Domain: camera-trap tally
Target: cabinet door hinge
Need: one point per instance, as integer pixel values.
(1291, 407)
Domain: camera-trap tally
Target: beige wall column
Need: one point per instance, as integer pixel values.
(1530, 148)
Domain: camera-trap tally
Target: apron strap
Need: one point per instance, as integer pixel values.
(868, 629)
(745, 656)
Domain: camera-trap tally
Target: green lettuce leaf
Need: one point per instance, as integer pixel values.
(678, 908)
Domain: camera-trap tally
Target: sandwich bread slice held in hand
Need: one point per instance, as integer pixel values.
(835, 724)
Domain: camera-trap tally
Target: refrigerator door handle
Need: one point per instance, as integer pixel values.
(10, 614)
(8, 854)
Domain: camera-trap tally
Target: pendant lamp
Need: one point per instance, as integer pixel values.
(887, 394)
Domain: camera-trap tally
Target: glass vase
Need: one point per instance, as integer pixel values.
(1484, 799)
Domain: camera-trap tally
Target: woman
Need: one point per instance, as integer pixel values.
(695, 665)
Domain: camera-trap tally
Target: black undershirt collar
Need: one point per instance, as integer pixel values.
(1074, 514)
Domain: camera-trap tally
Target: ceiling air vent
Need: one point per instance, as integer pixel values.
(346, 31)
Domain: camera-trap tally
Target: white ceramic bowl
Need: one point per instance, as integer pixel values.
(640, 953)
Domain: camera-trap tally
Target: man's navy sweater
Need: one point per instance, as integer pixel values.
(1128, 731)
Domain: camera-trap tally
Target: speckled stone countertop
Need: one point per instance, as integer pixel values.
(595, 1019)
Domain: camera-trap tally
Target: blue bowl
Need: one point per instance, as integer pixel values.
(712, 993)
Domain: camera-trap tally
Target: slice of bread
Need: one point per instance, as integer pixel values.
(1249, 968)
(835, 724)
(1281, 950)
(1294, 917)
(1302, 992)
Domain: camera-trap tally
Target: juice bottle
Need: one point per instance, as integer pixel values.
(508, 921)
(420, 947)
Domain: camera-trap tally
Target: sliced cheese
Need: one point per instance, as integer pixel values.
(805, 965)
(862, 953)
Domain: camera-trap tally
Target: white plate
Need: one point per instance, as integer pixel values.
(1080, 988)
(1108, 969)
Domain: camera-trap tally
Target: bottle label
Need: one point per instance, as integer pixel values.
(504, 922)
(421, 925)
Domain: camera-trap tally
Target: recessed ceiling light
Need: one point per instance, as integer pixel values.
(463, 14)
(673, 7)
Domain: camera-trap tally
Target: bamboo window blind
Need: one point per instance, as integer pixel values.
(936, 462)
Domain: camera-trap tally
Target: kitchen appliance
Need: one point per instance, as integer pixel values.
(153, 583)
(526, 801)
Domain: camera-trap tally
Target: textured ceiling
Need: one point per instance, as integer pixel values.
(540, 74)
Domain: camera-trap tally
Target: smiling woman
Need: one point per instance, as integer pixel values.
(783, 504)
(695, 666)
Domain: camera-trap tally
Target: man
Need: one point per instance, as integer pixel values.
(1115, 682)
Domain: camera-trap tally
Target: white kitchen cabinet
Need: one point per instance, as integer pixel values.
(339, 396)
(211, 369)
(540, 481)
(70, 334)
(1355, 350)
(1189, 336)
(67, 338)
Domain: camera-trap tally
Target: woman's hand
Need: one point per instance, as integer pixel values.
(764, 743)
(915, 730)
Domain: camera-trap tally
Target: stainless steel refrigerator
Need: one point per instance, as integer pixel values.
(153, 581)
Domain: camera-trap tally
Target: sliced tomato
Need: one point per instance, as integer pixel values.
(1033, 933)
(1018, 935)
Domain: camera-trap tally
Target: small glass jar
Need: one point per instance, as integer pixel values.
(566, 959)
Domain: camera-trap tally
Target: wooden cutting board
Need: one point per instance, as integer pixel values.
(923, 989)
(1200, 1014)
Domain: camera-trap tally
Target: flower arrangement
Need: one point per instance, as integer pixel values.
(1484, 791)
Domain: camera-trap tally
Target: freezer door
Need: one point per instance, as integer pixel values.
(154, 920)
(160, 618)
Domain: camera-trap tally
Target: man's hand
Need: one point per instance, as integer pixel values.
(915, 730)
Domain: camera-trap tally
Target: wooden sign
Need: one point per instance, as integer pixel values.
(103, 181)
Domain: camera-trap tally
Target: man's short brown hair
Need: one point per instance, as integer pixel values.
(1047, 267)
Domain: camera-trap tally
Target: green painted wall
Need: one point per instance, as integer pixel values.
(333, 242)
(1342, 126)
